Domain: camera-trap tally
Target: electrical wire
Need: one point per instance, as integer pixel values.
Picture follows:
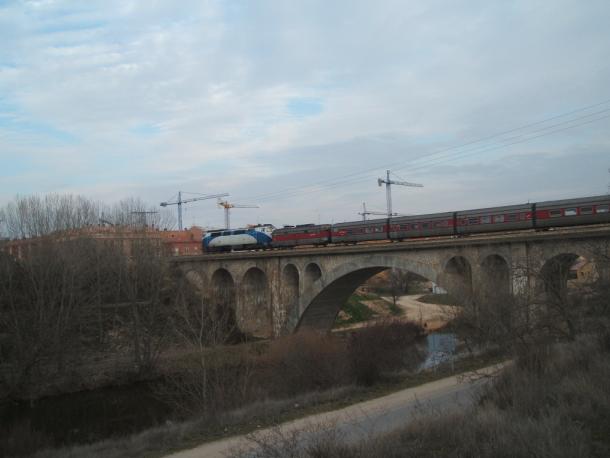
(432, 160)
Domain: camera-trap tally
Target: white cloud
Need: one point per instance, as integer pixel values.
(113, 98)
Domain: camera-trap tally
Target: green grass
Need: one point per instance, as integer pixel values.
(356, 310)
(394, 309)
(359, 312)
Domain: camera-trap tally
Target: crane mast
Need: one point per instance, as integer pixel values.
(227, 208)
(388, 189)
(180, 201)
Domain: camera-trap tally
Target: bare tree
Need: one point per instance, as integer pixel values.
(36, 216)
(133, 213)
(553, 311)
(399, 283)
(212, 377)
(54, 299)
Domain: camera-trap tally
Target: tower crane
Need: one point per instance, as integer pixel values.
(388, 190)
(228, 206)
(366, 212)
(181, 201)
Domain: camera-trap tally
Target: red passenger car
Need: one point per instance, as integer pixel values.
(303, 234)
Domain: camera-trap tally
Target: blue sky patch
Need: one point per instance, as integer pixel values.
(305, 107)
(145, 130)
(10, 121)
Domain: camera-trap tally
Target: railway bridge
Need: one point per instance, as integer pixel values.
(276, 292)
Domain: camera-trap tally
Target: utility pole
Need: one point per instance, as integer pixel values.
(228, 206)
(388, 189)
(181, 201)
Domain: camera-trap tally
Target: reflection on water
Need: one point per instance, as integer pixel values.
(440, 348)
(84, 417)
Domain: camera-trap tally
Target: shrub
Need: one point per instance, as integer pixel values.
(303, 362)
(382, 347)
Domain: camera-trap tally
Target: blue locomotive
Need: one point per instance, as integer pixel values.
(252, 237)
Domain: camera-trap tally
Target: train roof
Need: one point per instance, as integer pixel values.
(361, 223)
(302, 227)
(504, 208)
(578, 200)
(427, 216)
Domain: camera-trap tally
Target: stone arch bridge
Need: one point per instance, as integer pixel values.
(276, 292)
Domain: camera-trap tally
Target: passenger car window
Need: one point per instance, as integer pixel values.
(512, 217)
(586, 210)
(602, 209)
(485, 219)
(570, 212)
(498, 218)
(473, 220)
(555, 213)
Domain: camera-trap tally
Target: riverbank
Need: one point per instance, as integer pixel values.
(552, 402)
(373, 416)
(172, 437)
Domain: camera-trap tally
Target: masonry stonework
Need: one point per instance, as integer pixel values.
(279, 291)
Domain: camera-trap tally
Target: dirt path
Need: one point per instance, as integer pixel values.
(370, 417)
(433, 316)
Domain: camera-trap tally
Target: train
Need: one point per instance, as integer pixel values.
(540, 215)
(252, 237)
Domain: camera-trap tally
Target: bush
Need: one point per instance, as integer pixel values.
(382, 347)
(558, 407)
(306, 361)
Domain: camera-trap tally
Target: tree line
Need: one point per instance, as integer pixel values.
(72, 298)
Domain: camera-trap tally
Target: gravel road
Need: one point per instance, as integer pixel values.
(371, 417)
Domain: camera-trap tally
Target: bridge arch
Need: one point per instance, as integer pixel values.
(456, 278)
(558, 271)
(222, 291)
(253, 304)
(495, 277)
(321, 303)
(312, 274)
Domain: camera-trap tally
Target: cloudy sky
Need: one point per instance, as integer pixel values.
(298, 106)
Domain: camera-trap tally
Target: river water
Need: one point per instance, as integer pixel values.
(82, 417)
(440, 348)
(118, 411)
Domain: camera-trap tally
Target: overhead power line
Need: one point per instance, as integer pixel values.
(442, 156)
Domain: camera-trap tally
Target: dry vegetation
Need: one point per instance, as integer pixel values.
(553, 401)
(70, 300)
(238, 390)
(558, 407)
